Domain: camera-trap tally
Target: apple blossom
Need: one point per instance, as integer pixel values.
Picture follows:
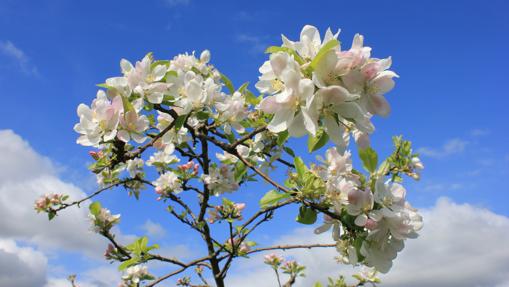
(166, 183)
(99, 122)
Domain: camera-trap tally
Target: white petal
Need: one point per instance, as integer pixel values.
(281, 120)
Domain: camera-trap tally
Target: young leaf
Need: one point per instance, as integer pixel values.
(179, 122)
(275, 49)
(300, 166)
(318, 141)
(95, 208)
(325, 48)
(128, 263)
(228, 83)
(369, 159)
(306, 215)
(272, 197)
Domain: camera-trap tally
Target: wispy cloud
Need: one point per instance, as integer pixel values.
(153, 229)
(173, 3)
(9, 50)
(441, 187)
(450, 147)
(479, 132)
(257, 44)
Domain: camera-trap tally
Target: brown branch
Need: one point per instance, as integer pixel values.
(295, 246)
(99, 191)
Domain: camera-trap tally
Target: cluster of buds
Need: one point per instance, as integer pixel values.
(293, 268)
(189, 170)
(184, 281)
(228, 211)
(112, 253)
(96, 154)
(49, 203)
(273, 260)
(102, 219)
(238, 246)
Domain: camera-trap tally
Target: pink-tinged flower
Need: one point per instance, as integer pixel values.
(99, 122)
(133, 126)
(273, 260)
(166, 183)
(292, 102)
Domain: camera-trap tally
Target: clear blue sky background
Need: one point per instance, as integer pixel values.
(452, 98)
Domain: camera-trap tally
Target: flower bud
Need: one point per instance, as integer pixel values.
(205, 56)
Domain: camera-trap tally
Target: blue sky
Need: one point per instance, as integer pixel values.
(451, 99)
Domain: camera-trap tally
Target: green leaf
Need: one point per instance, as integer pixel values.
(243, 87)
(369, 159)
(300, 166)
(95, 208)
(240, 171)
(252, 99)
(103, 85)
(318, 284)
(51, 215)
(282, 137)
(127, 104)
(128, 263)
(318, 141)
(275, 49)
(228, 83)
(272, 197)
(325, 48)
(289, 151)
(179, 122)
(306, 215)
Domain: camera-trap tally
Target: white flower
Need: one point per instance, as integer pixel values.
(104, 220)
(144, 80)
(329, 222)
(134, 167)
(338, 164)
(133, 127)
(232, 110)
(135, 274)
(226, 158)
(293, 104)
(98, 123)
(205, 56)
(161, 159)
(221, 179)
(310, 42)
(380, 254)
(168, 182)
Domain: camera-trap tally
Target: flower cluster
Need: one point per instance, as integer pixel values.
(313, 84)
(375, 216)
(273, 260)
(221, 179)
(48, 202)
(134, 275)
(229, 211)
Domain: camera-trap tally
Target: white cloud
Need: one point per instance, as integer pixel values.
(256, 43)
(450, 147)
(460, 245)
(19, 57)
(153, 229)
(21, 266)
(24, 176)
